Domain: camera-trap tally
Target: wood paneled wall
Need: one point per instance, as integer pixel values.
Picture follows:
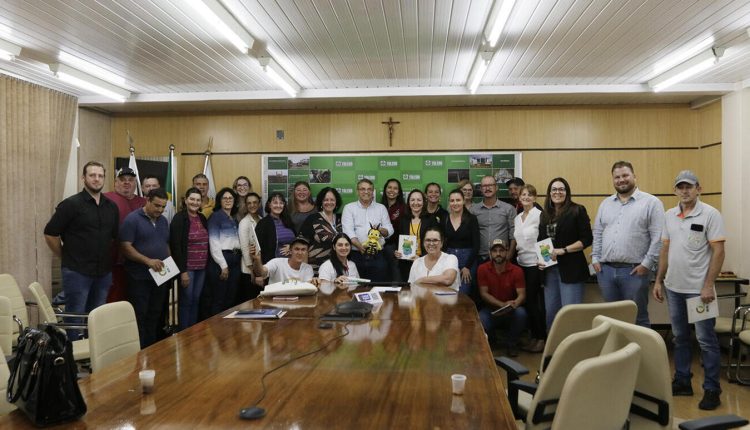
(578, 143)
(95, 139)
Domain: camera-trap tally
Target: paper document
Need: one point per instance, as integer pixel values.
(385, 289)
(699, 311)
(168, 272)
(407, 246)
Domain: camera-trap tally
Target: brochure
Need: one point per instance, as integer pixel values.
(168, 272)
(699, 311)
(544, 250)
(407, 246)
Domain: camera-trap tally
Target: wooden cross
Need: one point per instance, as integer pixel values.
(390, 123)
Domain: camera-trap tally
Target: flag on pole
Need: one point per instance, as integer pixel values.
(210, 175)
(134, 167)
(171, 183)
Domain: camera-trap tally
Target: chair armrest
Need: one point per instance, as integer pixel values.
(513, 388)
(511, 367)
(525, 386)
(71, 314)
(720, 422)
(69, 326)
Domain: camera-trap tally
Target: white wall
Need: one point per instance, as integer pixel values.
(735, 201)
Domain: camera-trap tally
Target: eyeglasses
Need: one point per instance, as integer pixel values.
(431, 240)
(488, 185)
(558, 190)
(227, 198)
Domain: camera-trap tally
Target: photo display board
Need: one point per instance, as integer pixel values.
(342, 171)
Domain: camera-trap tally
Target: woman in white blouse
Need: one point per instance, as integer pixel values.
(526, 232)
(339, 268)
(435, 267)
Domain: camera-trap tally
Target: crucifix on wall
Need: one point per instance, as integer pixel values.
(390, 123)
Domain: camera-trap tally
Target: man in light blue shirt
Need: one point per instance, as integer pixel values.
(627, 241)
(356, 220)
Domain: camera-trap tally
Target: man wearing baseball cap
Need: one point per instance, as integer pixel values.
(503, 291)
(689, 261)
(285, 268)
(124, 196)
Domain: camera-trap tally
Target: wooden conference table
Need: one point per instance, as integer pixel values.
(390, 372)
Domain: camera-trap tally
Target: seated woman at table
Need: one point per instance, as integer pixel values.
(320, 228)
(275, 231)
(339, 268)
(414, 222)
(435, 267)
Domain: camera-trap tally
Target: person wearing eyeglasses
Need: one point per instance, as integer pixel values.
(569, 227)
(356, 220)
(495, 218)
(436, 267)
(224, 266)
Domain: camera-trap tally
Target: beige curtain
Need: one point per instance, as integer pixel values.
(36, 127)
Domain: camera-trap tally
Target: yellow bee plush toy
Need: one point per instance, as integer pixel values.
(372, 245)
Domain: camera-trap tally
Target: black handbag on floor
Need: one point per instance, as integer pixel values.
(42, 379)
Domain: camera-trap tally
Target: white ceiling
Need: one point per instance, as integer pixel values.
(379, 53)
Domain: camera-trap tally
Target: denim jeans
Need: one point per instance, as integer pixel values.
(514, 322)
(82, 295)
(616, 283)
(707, 340)
(463, 255)
(558, 293)
(189, 298)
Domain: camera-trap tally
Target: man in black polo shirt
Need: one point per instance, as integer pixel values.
(82, 232)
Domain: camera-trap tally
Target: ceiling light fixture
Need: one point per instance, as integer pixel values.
(9, 51)
(223, 21)
(90, 68)
(87, 82)
(278, 75)
(497, 20)
(691, 67)
(478, 70)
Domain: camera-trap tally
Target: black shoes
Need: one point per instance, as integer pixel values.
(711, 400)
(682, 387)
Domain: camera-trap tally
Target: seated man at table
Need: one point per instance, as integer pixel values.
(501, 284)
(287, 268)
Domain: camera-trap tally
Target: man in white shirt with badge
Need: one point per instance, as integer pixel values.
(689, 262)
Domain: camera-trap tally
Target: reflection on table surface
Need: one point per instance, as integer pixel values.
(391, 371)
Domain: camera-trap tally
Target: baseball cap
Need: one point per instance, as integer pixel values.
(299, 239)
(686, 176)
(125, 171)
(498, 242)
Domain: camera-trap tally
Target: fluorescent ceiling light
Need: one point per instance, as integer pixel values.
(496, 22)
(223, 21)
(90, 68)
(87, 82)
(691, 67)
(279, 76)
(9, 51)
(478, 70)
(681, 55)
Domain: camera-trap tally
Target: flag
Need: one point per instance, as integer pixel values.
(210, 175)
(171, 183)
(134, 166)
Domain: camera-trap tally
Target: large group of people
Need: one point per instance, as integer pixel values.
(481, 246)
